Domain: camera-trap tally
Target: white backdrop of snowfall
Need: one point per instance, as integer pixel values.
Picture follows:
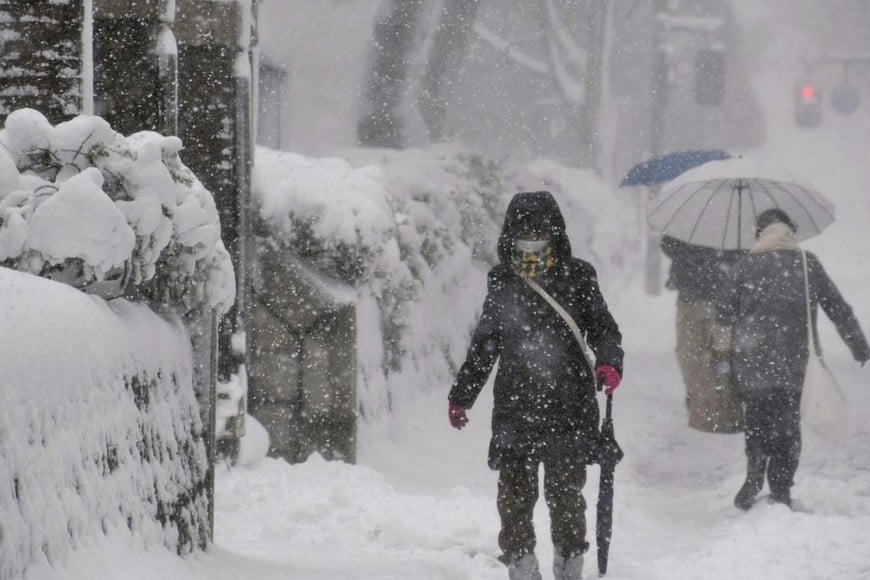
(421, 502)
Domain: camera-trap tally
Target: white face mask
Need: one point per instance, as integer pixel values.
(531, 246)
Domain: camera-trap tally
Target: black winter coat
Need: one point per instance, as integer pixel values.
(545, 407)
(697, 273)
(766, 305)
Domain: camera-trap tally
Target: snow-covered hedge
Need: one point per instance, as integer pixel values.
(99, 425)
(82, 204)
(414, 232)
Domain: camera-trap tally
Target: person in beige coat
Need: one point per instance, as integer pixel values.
(698, 273)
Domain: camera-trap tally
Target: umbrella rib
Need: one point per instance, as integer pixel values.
(665, 199)
(727, 219)
(812, 197)
(706, 205)
(800, 203)
(755, 208)
(679, 207)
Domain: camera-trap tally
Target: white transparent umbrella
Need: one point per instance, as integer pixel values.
(716, 205)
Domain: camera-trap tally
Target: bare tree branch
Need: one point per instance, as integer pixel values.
(514, 54)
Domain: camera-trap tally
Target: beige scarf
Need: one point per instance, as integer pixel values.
(776, 236)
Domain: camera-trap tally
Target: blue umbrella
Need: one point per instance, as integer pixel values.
(669, 166)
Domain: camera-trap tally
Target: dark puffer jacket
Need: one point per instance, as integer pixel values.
(545, 407)
(766, 305)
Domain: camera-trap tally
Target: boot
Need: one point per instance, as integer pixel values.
(755, 465)
(570, 568)
(782, 496)
(524, 568)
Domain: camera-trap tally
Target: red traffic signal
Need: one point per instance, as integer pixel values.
(808, 105)
(808, 92)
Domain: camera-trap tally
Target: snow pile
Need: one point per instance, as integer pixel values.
(82, 204)
(412, 231)
(99, 426)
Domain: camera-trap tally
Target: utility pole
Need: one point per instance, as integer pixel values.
(590, 112)
(658, 110)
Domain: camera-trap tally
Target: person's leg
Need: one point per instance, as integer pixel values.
(756, 418)
(563, 492)
(785, 445)
(694, 355)
(517, 495)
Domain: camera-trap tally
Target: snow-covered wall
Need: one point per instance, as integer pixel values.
(99, 426)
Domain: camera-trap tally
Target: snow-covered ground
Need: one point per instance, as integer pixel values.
(421, 502)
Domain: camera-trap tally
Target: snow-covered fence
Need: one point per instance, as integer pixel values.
(100, 430)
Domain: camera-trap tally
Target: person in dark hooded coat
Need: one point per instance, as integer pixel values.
(765, 305)
(545, 410)
(697, 273)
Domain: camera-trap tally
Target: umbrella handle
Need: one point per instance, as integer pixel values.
(598, 385)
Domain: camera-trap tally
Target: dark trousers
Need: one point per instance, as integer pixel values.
(563, 492)
(772, 422)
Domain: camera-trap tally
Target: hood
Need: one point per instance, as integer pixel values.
(537, 211)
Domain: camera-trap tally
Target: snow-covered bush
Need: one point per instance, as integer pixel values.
(99, 426)
(82, 204)
(414, 232)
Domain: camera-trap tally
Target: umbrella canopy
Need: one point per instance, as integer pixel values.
(669, 166)
(716, 205)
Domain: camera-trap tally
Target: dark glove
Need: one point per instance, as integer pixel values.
(609, 377)
(457, 416)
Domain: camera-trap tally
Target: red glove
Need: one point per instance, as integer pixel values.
(457, 415)
(609, 376)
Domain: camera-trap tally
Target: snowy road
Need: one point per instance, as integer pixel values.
(423, 503)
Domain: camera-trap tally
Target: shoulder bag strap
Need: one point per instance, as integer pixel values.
(587, 353)
(810, 334)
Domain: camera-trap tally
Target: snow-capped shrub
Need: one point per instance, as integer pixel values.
(82, 204)
(400, 231)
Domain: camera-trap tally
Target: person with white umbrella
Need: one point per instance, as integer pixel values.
(765, 304)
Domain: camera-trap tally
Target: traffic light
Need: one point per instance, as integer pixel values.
(808, 105)
(845, 99)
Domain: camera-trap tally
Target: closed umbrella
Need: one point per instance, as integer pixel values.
(609, 454)
(716, 205)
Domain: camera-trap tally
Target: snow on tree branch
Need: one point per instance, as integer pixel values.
(516, 55)
(573, 52)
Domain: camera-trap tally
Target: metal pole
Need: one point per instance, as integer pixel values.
(590, 113)
(212, 418)
(653, 265)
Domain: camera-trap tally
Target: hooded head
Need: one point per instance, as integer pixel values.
(773, 216)
(533, 215)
